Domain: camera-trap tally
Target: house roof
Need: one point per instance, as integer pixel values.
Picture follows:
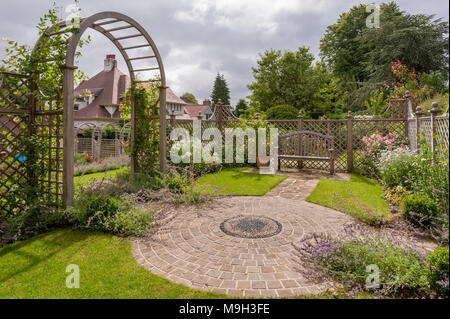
(108, 88)
(172, 98)
(194, 109)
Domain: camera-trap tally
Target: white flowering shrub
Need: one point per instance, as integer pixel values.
(395, 166)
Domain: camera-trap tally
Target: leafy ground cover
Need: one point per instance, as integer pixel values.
(235, 181)
(361, 197)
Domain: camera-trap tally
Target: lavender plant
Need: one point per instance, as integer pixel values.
(402, 265)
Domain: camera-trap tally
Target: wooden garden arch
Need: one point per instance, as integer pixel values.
(105, 23)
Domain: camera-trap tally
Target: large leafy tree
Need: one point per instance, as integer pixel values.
(220, 91)
(360, 56)
(241, 108)
(291, 78)
(189, 98)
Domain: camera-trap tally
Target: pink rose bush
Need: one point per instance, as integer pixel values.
(373, 146)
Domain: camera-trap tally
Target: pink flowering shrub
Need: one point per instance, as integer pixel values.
(374, 145)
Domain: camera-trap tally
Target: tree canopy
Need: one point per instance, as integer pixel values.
(220, 91)
(241, 107)
(291, 78)
(360, 56)
(282, 112)
(189, 98)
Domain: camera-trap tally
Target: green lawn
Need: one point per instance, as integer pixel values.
(88, 178)
(360, 197)
(235, 181)
(36, 268)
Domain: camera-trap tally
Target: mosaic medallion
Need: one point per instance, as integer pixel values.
(251, 226)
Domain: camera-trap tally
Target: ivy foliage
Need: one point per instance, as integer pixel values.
(144, 97)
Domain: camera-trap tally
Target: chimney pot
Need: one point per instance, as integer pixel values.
(110, 62)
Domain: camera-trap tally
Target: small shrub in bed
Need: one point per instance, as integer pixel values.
(395, 166)
(402, 268)
(439, 271)
(420, 209)
(100, 211)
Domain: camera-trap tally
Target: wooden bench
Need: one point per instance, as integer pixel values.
(306, 145)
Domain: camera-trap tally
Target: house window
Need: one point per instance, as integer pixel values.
(75, 107)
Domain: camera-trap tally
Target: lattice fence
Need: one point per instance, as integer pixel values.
(429, 127)
(29, 166)
(363, 128)
(336, 128)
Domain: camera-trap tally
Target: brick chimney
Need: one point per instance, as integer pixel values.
(110, 62)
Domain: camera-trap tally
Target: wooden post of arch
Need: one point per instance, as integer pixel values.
(68, 136)
(98, 23)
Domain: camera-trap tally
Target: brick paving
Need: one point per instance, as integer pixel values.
(189, 248)
(192, 250)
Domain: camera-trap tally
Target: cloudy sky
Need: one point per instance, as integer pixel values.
(198, 38)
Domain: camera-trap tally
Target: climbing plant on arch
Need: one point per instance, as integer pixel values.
(37, 122)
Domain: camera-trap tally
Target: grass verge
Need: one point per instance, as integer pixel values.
(360, 197)
(88, 178)
(36, 268)
(235, 181)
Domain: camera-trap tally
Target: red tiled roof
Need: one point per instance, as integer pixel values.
(109, 87)
(193, 109)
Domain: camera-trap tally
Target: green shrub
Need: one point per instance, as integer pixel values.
(135, 221)
(92, 211)
(432, 179)
(282, 112)
(175, 182)
(402, 268)
(395, 166)
(419, 209)
(105, 213)
(439, 270)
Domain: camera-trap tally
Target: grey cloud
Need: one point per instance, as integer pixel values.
(193, 51)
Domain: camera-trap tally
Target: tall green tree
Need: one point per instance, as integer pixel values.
(189, 98)
(220, 91)
(360, 56)
(291, 78)
(241, 108)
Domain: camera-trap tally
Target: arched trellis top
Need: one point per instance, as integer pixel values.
(108, 24)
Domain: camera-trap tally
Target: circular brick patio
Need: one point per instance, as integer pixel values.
(191, 249)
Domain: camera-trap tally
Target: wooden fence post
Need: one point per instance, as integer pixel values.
(418, 114)
(172, 119)
(434, 112)
(300, 138)
(349, 142)
(218, 108)
(408, 102)
(300, 121)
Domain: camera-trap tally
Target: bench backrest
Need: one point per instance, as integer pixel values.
(306, 143)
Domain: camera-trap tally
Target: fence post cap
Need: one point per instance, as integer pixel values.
(300, 114)
(435, 109)
(419, 111)
(349, 114)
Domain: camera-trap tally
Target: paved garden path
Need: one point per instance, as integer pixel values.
(191, 248)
